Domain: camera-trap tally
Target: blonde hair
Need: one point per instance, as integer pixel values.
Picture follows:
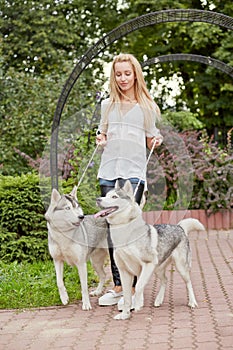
(151, 110)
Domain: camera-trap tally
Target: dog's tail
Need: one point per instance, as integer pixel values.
(190, 224)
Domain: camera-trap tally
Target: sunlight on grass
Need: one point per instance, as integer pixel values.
(25, 285)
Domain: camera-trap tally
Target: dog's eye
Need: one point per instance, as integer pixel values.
(67, 208)
(114, 197)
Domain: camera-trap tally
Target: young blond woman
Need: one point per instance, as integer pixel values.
(127, 128)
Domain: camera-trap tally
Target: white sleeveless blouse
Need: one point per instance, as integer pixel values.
(124, 155)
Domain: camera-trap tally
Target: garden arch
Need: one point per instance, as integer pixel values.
(152, 18)
(191, 57)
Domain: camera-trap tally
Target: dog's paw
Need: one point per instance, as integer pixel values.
(123, 316)
(138, 302)
(192, 304)
(158, 302)
(86, 306)
(95, 293)
(138, 307)
(64, 298)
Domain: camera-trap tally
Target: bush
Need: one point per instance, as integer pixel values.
(191, 172)
(23, 203)
(83, 149)
(213, 174)
(23, 231)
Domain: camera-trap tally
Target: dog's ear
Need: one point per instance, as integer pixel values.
(73, 193)
(117, 185)
(55, 196)
(128, 188)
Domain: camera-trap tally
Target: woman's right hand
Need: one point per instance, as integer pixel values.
(101, 140)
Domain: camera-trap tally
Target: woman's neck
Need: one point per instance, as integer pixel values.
(129, 99)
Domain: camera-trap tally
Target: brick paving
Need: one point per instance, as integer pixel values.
(172, 326)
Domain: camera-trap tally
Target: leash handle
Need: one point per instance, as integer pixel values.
(145, 167)
(85, 170)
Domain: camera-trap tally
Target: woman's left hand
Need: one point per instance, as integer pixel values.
(155, 141)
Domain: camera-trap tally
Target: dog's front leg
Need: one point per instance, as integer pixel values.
(127, 281)
(59, 266)
(97, 260)
(82, 269)
(147, 270)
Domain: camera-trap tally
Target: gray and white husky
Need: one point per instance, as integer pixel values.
(140, 249)
(74, 238)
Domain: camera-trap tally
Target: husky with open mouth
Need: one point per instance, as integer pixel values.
(140, 249)
(74, 238)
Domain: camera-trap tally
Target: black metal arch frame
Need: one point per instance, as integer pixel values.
(191, 57)
(149, 19)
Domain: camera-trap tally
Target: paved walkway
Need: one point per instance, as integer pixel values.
(172, 326)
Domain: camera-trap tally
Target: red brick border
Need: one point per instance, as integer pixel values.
(223, 219)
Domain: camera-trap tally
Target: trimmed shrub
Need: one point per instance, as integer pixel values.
(23, 230)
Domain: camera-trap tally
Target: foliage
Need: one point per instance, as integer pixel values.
(85, 170)
(27, 285)
(183, 120)
(40, 44)
(40, 36)
(27, 104)
(23, 228)
(42, 41)
(213, 174)
(190, 172)
(202, 89)
(187, 171)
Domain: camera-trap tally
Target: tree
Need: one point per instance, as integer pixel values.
(41, 41)
(39, 36)
(203, 90)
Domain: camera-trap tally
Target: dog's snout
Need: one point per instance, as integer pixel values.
(81, 217)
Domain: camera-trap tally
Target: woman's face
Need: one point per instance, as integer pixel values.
(124, 75)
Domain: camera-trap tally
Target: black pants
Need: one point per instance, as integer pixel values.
(104, 190)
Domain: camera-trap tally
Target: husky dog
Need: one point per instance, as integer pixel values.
(140, 249)
(74, 238)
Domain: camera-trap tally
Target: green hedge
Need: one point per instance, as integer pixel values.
(23, 203)
(23, 231)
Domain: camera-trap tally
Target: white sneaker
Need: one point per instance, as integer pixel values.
(110, 298)
(120, 303)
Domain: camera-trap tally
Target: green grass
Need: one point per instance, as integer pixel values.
(26, 285)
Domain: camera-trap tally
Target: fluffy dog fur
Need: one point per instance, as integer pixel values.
(140, 249)
(74, 238)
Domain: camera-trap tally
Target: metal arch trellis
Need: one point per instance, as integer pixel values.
(191, 57)
(149, 19)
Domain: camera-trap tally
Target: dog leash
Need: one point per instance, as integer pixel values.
(99, 98)
(145, 167)
(85, 170)
(144, 170)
